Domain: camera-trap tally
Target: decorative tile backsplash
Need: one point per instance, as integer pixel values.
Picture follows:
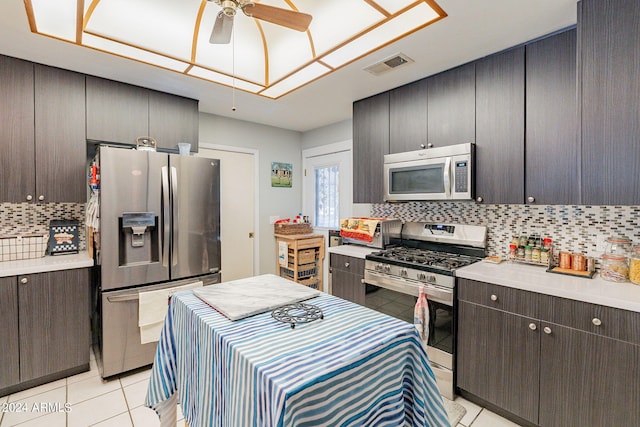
(25, 218)
(572, 228)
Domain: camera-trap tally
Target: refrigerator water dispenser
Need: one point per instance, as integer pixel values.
(138, 238)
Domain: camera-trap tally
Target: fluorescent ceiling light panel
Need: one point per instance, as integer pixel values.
(402, 25)
(224, 79)
(56, 18)
(265, 58)
(132, 52)
(312, 72)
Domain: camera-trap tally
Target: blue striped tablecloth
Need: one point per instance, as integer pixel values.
(355, 367)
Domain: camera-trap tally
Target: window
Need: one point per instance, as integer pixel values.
(327, 197)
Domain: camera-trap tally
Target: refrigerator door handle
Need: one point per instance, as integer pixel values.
(176, 215)
(166, 217)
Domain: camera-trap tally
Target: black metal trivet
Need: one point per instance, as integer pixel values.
(297, 313)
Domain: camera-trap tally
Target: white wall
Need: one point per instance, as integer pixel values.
(273, 145)
(336, 132)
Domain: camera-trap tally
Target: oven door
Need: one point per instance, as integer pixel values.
(397, 298)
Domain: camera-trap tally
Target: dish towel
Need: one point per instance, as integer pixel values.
(421, 317)
(152, 309)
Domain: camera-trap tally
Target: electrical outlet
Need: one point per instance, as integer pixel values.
(273, 219)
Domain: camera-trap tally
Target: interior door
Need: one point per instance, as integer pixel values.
(195, 206)
(237, 195)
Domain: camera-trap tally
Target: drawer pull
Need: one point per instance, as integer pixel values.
(494, 297)
(346, 264)
(547, 330)
(596, 321)
(532, 326)
(24, 280)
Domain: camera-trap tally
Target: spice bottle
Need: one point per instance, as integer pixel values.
(634, 266)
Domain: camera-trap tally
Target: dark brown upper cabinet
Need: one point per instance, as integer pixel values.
(173, 119)
(116, 112)
(370, 144)
(609, 63)
(500, 128)
(408, 117)
(60, 149)
(452, 107)
(17, 139)
(552, 145)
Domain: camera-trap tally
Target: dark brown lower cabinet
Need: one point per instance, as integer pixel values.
(347, 275)
(498, 358)
(10, 355)
(582, 371)
(47, 327)
(588, 380)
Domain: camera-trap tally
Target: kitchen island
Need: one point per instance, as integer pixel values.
(353, 366)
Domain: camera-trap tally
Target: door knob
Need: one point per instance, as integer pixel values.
(24, 280)
(596, 321)
(423, 146)
(251, 235)
(429, 145)
(531, 199)
(29, 197)
(346, 264)
(479, 199)
(532, 326)
(547, 330)
(494, 297)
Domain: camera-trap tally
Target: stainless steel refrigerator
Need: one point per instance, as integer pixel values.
(159, 228)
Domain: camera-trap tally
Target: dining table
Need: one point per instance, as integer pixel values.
(352, 366)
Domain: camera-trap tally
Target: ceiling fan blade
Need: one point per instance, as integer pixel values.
(287, 18)
(222, 29)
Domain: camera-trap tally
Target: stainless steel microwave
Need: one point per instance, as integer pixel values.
(443, 173)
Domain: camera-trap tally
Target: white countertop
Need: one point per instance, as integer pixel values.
(352, 250)
(44, 264)
(536, 279)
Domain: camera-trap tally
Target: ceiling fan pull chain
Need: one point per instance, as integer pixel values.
(233, 71)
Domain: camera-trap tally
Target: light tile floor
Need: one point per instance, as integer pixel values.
(119, 403)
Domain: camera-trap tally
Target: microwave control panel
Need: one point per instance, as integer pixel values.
(461, 171)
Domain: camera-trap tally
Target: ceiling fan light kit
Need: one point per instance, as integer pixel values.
(283, 44)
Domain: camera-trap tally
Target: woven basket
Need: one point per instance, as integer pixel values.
(304, 228)
(13, 248)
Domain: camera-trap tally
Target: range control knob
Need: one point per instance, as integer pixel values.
(387, 268)
(379, 267)
(422, 277)
(404, 272)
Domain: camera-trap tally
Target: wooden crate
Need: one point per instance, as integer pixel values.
(288, 229)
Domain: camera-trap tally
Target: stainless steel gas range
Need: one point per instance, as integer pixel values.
(426, 256)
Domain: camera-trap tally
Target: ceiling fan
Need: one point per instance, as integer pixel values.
(223, 26)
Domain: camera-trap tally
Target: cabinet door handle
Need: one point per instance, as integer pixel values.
(24, 280)
(494, 297)
(547, 330)
(532, 326)
(29, 197)
(596, 321)
(531, 199)
(479, 199)
(362, 281)
(41, 197)
(346, 264)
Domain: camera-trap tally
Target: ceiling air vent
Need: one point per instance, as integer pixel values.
(389, 64)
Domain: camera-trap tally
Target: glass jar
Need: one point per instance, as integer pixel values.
(615, 268)
(544, 256)
(618, 246)
(634, 266)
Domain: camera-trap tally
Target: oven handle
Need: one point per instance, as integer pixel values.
(409, 287)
